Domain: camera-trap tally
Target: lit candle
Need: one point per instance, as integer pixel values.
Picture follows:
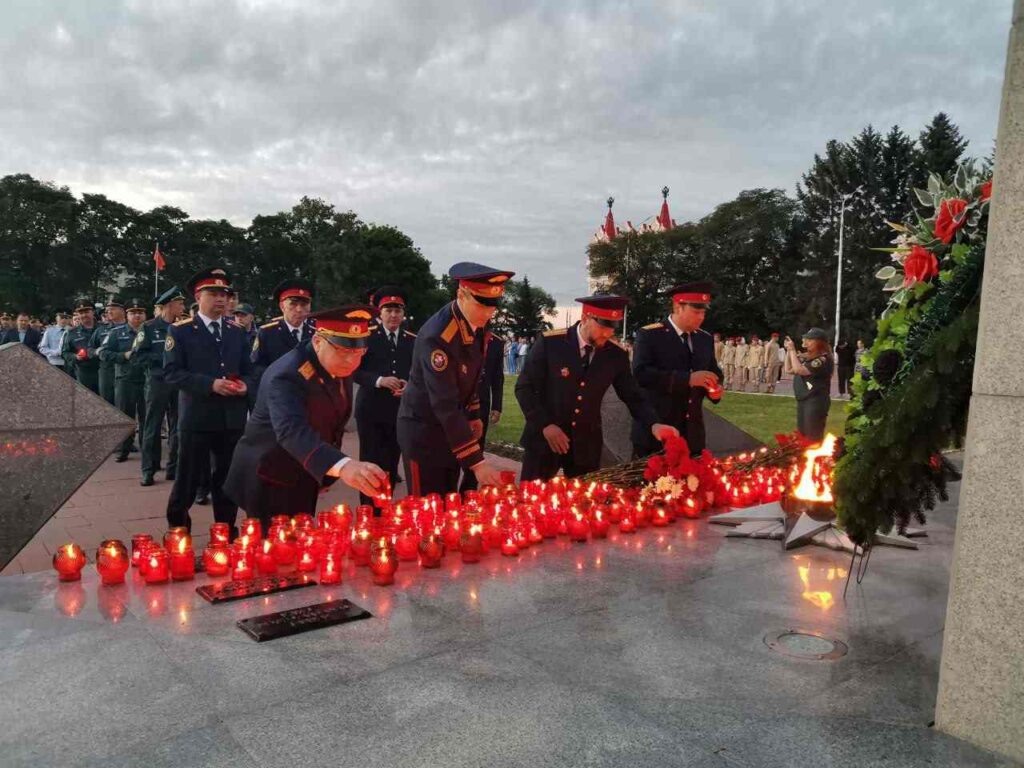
(599, 524)
(360, 549)
(140, 543)
(220, 533)
(407, 544)
(577, 524)
(173, 536)
(157, 566)
(659, 518)
(68, 561)
(627, 522)
(509, 548)
(283, 546)
(112, 561)
(266, 563)
(330, 573)
(183, 560)
(252, 528)
(216, 560)
(302, 522)
(471, 543)
(306, 563)
(383, 562)
(241, 562)
(431, 550)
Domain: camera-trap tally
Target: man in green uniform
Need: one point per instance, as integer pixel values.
(812, 382)
(161, 399)
(129, 380)
(78, 360)
(113, 319)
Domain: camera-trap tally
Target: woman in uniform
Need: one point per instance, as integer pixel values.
(812, 381)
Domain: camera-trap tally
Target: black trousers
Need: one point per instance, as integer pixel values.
(196, 450)
(129, 396)
(543, 464)
(105, 382)
(431, 478)
(844, 374)
(161, 400)
(811, 415)
(468, 478)
(378, 442)
(88, 376)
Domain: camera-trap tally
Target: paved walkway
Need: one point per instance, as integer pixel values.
(112, 505)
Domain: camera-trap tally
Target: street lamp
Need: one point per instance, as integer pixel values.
(844, 199)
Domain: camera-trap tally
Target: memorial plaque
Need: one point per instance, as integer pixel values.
(304, 619)
(54, 433)
(262, 585)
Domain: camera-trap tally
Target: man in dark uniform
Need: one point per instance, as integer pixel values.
(812, 382)
(282, 334)
(562, 384)
(161, 399)
(243, 316)
(129, 380)
(382, 377)
(79, 360)
(491, 392)
(439, 422)
(674, 362)
(291, 449)
(113, 317)
(206, 359)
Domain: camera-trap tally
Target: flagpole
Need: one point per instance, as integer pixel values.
(156, 275)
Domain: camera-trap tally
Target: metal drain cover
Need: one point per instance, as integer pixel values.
(804, 644)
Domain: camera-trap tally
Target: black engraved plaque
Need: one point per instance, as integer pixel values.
(263, 585)
(298, 620)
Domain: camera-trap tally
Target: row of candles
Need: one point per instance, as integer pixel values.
(507, 520)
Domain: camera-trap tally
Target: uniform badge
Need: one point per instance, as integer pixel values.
(140, 336)
(565, 373)
(815, 363)
(438, 360)
(169, 344)
(463, 368)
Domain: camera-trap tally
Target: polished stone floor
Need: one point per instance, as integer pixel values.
(639, 651)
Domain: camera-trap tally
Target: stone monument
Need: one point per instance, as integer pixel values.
(981, 683)
(54, 433)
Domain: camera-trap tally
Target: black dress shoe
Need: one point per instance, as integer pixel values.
(120, 457)
(169, 476)
(147, 480)
(202, 499)
(133, 449)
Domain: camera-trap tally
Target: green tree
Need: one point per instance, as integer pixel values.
(524, 310)
(942, 146)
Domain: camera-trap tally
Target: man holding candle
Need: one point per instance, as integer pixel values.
(674, 361)
(562, 384)
(283, 334)
(291, 449)
(439, 420)
(207, 359)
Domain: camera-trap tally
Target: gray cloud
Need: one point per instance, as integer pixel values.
(487, 131)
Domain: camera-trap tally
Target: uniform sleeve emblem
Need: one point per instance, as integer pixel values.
(438, 360)
(169, 344)
(815, 363)
(565, 373)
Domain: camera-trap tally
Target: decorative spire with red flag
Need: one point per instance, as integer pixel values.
(609, 221)
(664, 219)
(158, 259)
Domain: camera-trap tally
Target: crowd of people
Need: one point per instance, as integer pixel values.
(254, 414)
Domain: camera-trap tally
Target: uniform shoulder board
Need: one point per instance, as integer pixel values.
(307, 371)
(410, 333)
(652, 326)
(556, 332)
(701, 330)
(450, 330)
(186, 321)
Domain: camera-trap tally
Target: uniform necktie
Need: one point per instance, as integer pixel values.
(215, 330)
(391, 339)
(687, 341)
(295, 335)
(587, 349)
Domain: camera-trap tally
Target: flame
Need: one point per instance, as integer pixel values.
(814, 486)
(183, 545)
(820, 599)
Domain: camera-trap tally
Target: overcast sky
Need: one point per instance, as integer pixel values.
(487, 131)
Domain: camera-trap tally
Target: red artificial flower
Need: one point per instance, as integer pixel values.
(951, 216)
(986, 190)
(919, 266)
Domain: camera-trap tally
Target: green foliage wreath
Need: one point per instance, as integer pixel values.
(914, 404)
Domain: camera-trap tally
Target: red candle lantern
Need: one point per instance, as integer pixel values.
(383, 497)
(158, 567)
(282, 520)
(266, 563)
(342, 516)
(615, 512)
(509, 548)
(326, 520)
(659, 513)
(302, 522)
(407, 543)
(140, 543)
(241, 562)
(452, 533)
(383, 562)
(183, 560)
(69, 561)
(690, 507)
(471, 543)
(599, 524)
(173, 536)
(283, 545)
(627, 521)
(360, 548)
(252, 528)
(431, 550)
(112, 561)
(220, 533)
(306, 562)
(330, 571)
(577, 525)
(452, 502)
(216, 560)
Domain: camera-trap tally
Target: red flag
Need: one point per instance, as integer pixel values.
(158, 258)
(663, 218)
(609, 225)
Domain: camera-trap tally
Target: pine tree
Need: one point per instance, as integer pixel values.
(941, 149)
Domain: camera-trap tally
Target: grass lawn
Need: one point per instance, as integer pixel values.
(762, 416)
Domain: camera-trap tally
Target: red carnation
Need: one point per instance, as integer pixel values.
(950, 218)
(986, 190)
(919, 266)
